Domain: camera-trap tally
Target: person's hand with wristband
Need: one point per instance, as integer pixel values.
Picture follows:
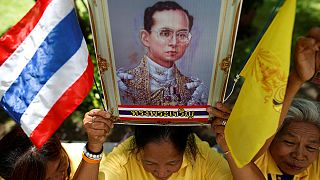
(97, 124)
(220, 114)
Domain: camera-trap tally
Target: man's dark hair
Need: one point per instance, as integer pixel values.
(181, 137)
(162, 6)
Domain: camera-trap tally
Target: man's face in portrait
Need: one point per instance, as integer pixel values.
(169, 37)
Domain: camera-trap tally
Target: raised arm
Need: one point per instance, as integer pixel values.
(97, 124)
(307, 63)
(249, 171)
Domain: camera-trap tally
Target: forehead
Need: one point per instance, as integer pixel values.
(176, 19)
(301, 129)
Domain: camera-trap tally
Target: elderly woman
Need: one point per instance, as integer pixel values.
(294, 152)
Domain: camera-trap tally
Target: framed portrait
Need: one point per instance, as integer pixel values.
(163, 62)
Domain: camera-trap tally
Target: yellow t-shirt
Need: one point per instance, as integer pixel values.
(267, 166)
(123, 165)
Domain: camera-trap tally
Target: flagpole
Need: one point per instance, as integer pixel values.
(100, 95)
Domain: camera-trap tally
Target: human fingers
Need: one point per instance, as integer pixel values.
(90, 117)
(100, 112)
(107, 119)
(102, 119)
(121, 85)
(98, 125)
(306, 43)
(125, 76)
(194, 84)
(223, 107)
(102, 123)
(87, 119)
(219, 122)
(314, 33)
(218, 113)
(305, 58)
(102, 116)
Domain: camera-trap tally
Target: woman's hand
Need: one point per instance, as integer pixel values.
(307, 55)
(221, 114)
(97, 124)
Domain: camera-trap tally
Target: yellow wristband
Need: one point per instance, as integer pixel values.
(90, 161)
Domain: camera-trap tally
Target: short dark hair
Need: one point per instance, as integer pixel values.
(181, 137)
(162, 6)
(20, 159)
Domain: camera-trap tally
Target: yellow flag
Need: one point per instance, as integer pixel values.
(256, 114)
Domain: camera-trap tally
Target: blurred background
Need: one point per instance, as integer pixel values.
(253, 17)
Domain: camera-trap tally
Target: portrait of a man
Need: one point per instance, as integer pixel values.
(156, 80)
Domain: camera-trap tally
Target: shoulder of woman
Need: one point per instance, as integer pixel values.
(121, 151)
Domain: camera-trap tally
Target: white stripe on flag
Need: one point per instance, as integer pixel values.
(69, 73)
(13, 66)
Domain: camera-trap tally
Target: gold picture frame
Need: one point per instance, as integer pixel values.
(137, 90)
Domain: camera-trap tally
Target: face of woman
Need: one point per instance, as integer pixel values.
(296, 147)
(161, 159)
(57, 169)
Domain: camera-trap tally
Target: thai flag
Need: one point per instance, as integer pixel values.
(45, 68)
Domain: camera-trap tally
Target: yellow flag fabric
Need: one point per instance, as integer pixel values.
(256, 113)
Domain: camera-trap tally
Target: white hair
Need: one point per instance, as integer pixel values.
(303, 110)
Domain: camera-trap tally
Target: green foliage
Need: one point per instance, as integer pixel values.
(11, 11)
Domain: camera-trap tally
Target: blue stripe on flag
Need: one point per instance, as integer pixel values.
(59, 46)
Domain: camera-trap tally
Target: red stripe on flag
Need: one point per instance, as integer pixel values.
(12, 39)
(68, 102)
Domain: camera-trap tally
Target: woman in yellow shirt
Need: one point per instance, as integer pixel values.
(154, 152)
(293, 153)
(164, 153)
